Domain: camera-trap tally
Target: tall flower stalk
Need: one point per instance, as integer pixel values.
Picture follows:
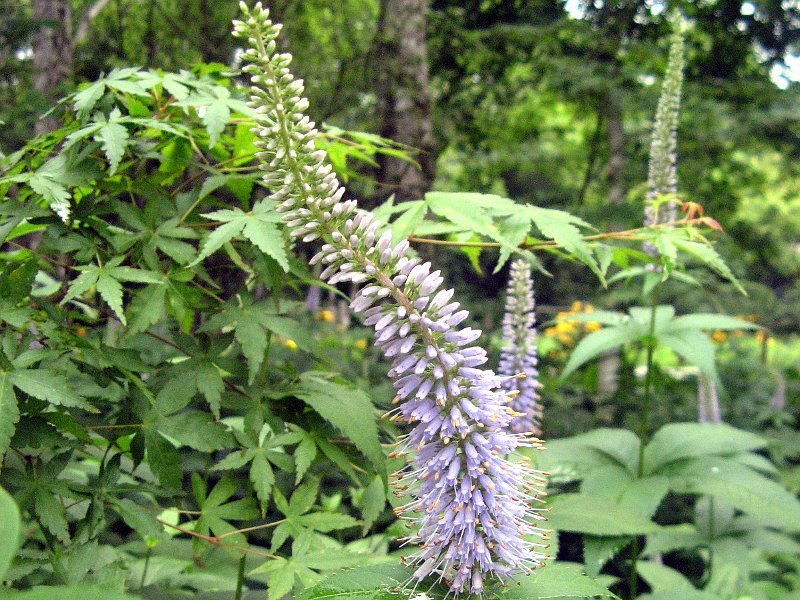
(471, 502)
(662, 174)
(518, 357)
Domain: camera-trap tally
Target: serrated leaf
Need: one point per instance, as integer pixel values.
(325, 521)
(49, 386)
(163, 459)
(373, 502)
(147, 308)
(267, 238)
(737, 485)
(224, 233)
(10, 524)
(587, 514)
(346, 408)
(216, 116)
(281, 581)
(85, 99)
(694, 347)
(252, 339)
(211, 385)
(52, 515)
(114, 139)
(196, 430)
(708, 255)
(262, 478)
(137, 518)
(676, 441)
(304, 455)
(111, 291)
(9, 416)
(594, 344)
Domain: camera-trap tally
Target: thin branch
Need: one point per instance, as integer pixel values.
(86, 22)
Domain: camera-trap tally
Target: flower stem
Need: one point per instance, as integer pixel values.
(644, 427)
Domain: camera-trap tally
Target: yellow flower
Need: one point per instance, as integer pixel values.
(577, 306)
(565, 339)
(760, 337)
(550, 331)
(361, 344)
(593, 326)
(325, 315)
(290, 344)
(589, 308)
(719, 336)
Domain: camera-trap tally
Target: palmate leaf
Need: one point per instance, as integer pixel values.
(257, 226)
(346, 408)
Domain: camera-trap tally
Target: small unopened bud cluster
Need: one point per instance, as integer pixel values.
(518, 357)
(471, 504)
(662, 175)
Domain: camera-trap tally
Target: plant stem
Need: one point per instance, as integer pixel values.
(146, 567)
(644, 428)
(240, 577)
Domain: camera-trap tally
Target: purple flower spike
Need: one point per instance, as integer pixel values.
(518, 358)
(470, 502)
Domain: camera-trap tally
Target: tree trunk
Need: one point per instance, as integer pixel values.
(404, 103)
(52, 51)
(612, 113)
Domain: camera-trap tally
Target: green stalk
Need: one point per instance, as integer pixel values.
(644, 428)
(240, 578)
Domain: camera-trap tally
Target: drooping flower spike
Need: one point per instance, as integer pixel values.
(662, 173)
(518, 357)
(472, 503)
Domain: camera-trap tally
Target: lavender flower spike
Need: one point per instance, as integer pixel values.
(518, 358)
(472, 504)
(662, 175)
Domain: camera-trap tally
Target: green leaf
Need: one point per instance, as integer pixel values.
(262, 478)
(49, 386)
(661, 578)
(364, 583)
(594, 344)
(373, 501)
(710, 321)
(51, 514)
(267, 238)
(587, 514)
(346, 408)
(9, 416)
(114, 139)
(71, 592)
(196, 430)
(598, 550)
(224, 233)
(111, 291)
(412, 215)
(163, 458)
(304, 455)
(676, 441)
(281, 580)
(10, 524)
(706, 253)
(216, 116)
(139, 519)
(693, 346)
(85, 99)
(382, 582)
(737, 485)
(147, 308)
(211, 385)
(556, 580)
